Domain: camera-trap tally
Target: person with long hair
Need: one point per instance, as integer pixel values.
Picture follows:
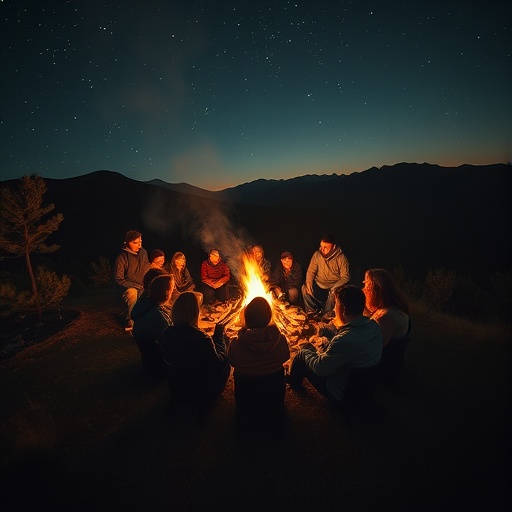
(183, 281)
(196, 363)
(386, 304)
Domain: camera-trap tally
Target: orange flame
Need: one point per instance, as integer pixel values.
(253, 282)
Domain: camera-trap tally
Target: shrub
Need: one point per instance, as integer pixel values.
(468, 299)
(101, 272)
(439, 285)
(52, 290)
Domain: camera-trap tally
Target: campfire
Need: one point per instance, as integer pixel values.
(291, 320)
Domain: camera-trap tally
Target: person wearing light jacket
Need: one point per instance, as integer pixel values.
(357, 343)
(327, 270)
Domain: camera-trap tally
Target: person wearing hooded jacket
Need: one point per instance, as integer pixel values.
(259, 349)
(257, 355)
(327, 270)
(131, 265)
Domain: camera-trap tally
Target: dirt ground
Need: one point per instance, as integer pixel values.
(82, 430)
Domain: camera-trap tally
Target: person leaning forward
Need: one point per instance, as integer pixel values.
(327, 270)
(357, 343)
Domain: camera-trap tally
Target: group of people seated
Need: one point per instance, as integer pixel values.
(162, 310)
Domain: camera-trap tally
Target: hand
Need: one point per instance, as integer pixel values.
(219, 329)
(308, 346)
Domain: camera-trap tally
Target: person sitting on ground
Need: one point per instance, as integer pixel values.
(286, 279)
(327, 270)
(356, 344)
(150, 317)
(183, 281)
(215, 276)
(386, 304)
(130, 267)
(258, 255)
(257, 355)
(197, 365)
(259, 348)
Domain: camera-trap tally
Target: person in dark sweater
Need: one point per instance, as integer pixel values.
(286, 279)
(130, 267)
(151, 316)
(196, 364)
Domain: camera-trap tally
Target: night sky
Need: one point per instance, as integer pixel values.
(218, 93)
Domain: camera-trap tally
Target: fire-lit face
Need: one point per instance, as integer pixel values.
(367, 286)
(158, 262)
(287, 263)
(180, 262)
(135, 245)
(214, 257)
(257, 252)
(325, 247)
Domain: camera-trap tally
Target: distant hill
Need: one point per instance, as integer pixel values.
(421, 216)
(184, 188)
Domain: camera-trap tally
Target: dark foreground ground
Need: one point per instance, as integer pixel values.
(82, 431)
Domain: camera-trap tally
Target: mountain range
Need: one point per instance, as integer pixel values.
(419, 216)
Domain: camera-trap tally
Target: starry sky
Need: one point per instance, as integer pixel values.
(218, 93)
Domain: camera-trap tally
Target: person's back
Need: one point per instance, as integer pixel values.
(258, 351)
(192, 360)
(357, 343)
(260, 348)
(257, 355)
(150, 317)
(197, 366)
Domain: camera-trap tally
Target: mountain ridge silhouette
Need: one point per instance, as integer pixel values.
(420, 216)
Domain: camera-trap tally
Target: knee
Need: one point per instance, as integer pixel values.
(293, 295)
(130, 295)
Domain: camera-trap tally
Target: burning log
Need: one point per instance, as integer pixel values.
(235, 310)
(236, 306)
(291, 320)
